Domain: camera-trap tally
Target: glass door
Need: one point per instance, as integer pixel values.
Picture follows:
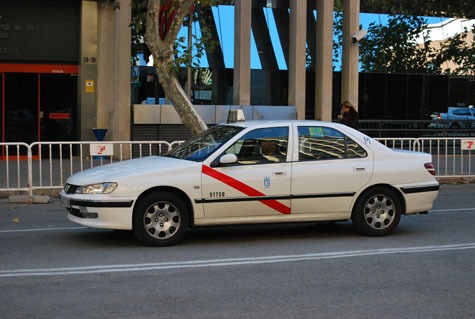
(58, 107)
(2, 110)
(21, 107)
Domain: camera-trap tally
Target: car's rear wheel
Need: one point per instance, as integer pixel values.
(160, 219)
(377, 212)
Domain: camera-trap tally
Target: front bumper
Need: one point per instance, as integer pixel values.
(101, 212)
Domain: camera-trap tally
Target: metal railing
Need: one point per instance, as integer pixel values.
(15, 168)
(417, 128)
(453, 157)
(44, 166)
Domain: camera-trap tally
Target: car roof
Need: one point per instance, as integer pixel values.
(253, 123)
(344, 128)
(269, 123)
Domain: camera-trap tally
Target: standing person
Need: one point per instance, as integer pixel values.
(348, 116)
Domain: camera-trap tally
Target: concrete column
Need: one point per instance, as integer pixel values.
(113, 70)
(88, 75)
(122, 107)
(349, 69)
(324, 61)
(242, 53)
(297, 39)
(105, 67)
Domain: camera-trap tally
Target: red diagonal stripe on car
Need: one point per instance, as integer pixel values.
(246, 189)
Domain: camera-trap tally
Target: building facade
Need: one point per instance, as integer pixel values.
(65, 64)
(64, 70)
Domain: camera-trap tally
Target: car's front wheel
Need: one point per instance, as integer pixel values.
(160, 219)
(377, 212)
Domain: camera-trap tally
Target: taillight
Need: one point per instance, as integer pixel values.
(430, 168)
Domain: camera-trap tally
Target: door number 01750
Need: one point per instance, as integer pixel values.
(216, 194)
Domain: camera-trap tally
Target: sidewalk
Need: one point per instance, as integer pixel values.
(20, 216)
(8, 206)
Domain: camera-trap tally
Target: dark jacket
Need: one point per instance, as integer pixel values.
(350, 118)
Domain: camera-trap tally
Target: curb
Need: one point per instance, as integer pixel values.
(456, 180)
(26, 199)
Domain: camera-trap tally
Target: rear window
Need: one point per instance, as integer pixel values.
(326, 143)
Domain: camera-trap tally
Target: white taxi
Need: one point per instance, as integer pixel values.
(256, 172)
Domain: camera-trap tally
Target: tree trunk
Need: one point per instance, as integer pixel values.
(183, 106)
(162, 51)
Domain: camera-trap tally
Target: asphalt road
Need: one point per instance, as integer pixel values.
(52, 268)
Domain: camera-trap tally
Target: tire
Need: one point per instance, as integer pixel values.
(377, 212)
(160, 219)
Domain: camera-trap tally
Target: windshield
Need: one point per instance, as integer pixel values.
(199, 147)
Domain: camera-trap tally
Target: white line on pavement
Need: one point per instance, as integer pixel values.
(226, 262)
(451, 210)
(39, 229)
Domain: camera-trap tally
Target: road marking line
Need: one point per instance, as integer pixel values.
(226, 262)
(450, 210)
(39, 229)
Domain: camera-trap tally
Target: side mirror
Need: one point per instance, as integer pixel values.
(228, 159)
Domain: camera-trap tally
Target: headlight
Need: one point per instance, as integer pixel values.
(101, 188)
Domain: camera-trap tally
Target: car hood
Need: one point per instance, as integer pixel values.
(126, 169)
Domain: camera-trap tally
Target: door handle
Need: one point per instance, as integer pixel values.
(279, 173)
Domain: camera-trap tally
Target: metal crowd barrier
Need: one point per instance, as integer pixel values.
(453, 157)
(43, 167)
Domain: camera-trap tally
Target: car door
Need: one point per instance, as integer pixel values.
(331, 168)
(257, 185)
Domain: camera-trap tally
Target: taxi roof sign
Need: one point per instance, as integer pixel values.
(236, 115)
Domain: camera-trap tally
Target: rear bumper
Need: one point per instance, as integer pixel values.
(420, 198)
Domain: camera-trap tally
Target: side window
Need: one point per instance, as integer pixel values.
(324, 143)
(261, 146)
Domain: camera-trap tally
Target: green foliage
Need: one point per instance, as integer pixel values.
(337, 34)
(460, 50)
(384, 50)
(137, 25)
(182, 56)
(438, 8)
(393, 48)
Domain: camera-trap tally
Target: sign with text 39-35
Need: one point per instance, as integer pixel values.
(103, 149)
(467, 144)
